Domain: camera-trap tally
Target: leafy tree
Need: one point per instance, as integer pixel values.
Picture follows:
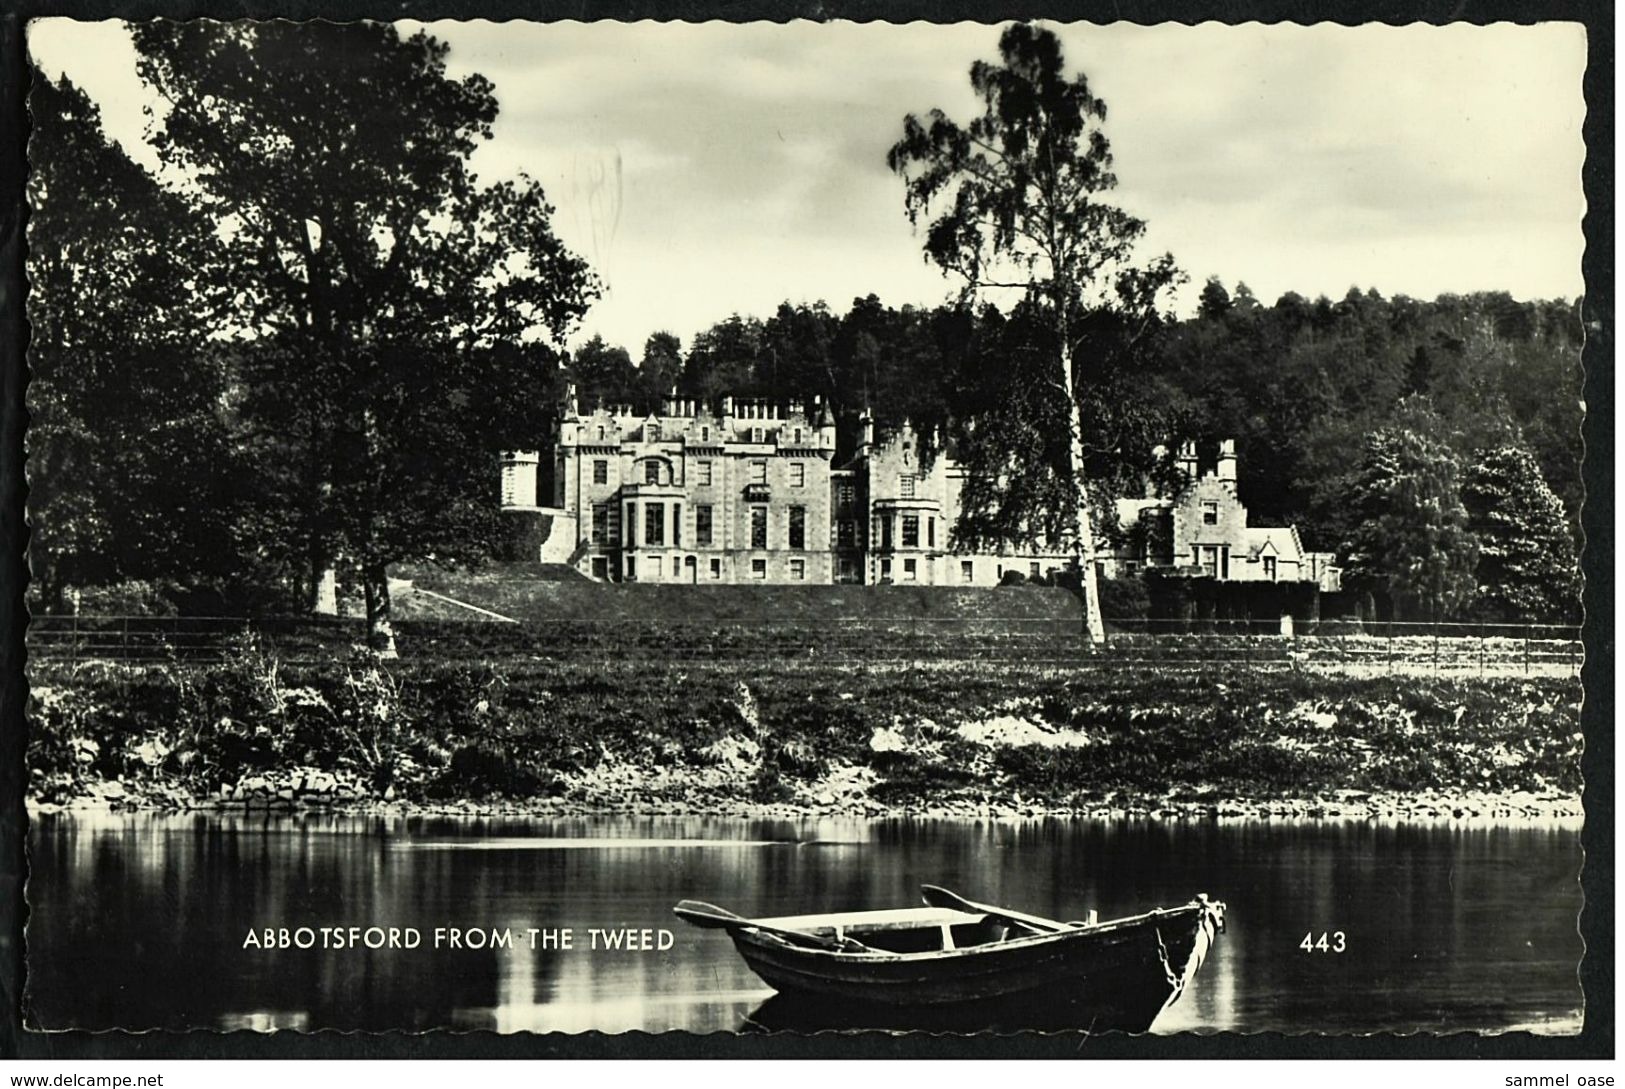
(605, 376)
(128, 453)
(1527, 568)
(1409, 543)
(1014, 200)
(1215, 300)
(793, 361)
(1244, 300)
(404, 308)
(661, 369)
(722, 361)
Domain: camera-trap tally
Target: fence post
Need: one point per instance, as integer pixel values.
(1526, 648)
(1435, 647)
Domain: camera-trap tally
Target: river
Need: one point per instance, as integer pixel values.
(143, 921)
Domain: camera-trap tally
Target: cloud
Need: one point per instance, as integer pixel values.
(711, 168)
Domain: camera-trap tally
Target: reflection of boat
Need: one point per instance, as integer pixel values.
(960, 966)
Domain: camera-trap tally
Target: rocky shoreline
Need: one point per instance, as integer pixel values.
(687, 739)
(322, 793)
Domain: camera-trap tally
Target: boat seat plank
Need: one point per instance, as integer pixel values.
(910, 918)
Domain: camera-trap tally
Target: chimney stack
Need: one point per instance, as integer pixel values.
(1187, 459)
(1227, 461)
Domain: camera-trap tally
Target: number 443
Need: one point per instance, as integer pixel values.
(1333, 942)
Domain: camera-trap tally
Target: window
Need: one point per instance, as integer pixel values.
(1210, 513)
(705, 434)
(677, 525)
(716, 568)
(911, 531)
(798, 474)
(600, 471)
(1210, 562)
(908, 570)
(798, 570)
(654, 523)
(798, 527)
(676, 567)
(654, 432)
(631, 524)
(845, 494)
(600, 523)
(906, 483)
(1269, 567)
(1032, 572)
(798, 436)
(631, 569)
(758, 569)
(705, 474)
(885, 569)
(600, 434)
(758, 527)
(848, 531)
(702, 525)
(651, 472)
(600, 567)
(967, 571)
(885, 532)
(930, 533)
(755, 434)
(758, 472)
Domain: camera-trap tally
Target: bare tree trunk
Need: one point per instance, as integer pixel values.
(324, 577)
(380, 632)
(324, 587)
(1085, 522)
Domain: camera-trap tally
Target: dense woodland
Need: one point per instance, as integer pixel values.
(289, 367)
(1317, 394)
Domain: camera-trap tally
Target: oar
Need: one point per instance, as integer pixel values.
(942, 898)
(713, 918)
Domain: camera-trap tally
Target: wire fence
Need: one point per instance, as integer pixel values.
(1488, 649)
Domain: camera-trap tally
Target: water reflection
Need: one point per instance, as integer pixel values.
(140, 921)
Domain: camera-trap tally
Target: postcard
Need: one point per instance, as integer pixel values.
(771, 528)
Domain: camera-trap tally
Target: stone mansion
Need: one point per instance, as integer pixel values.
(748, 494)
(751, 493)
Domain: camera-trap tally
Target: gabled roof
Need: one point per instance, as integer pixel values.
(1280, 540)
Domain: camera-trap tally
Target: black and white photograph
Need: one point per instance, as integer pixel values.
(771, 528)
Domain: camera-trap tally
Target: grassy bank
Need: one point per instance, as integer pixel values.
(717, 736)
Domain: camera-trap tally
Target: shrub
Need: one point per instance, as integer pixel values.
(1124, 599)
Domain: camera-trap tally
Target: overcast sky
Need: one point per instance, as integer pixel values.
(710, 169)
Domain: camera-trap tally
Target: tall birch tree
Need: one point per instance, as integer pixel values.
(1015, 200)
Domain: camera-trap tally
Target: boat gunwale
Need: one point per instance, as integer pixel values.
(1008, 945)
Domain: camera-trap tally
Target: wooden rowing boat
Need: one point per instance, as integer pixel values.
(960, 966)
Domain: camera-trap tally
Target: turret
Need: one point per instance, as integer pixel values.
(824, 424)
(519, 479)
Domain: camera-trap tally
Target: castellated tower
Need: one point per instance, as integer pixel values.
(519, 480)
